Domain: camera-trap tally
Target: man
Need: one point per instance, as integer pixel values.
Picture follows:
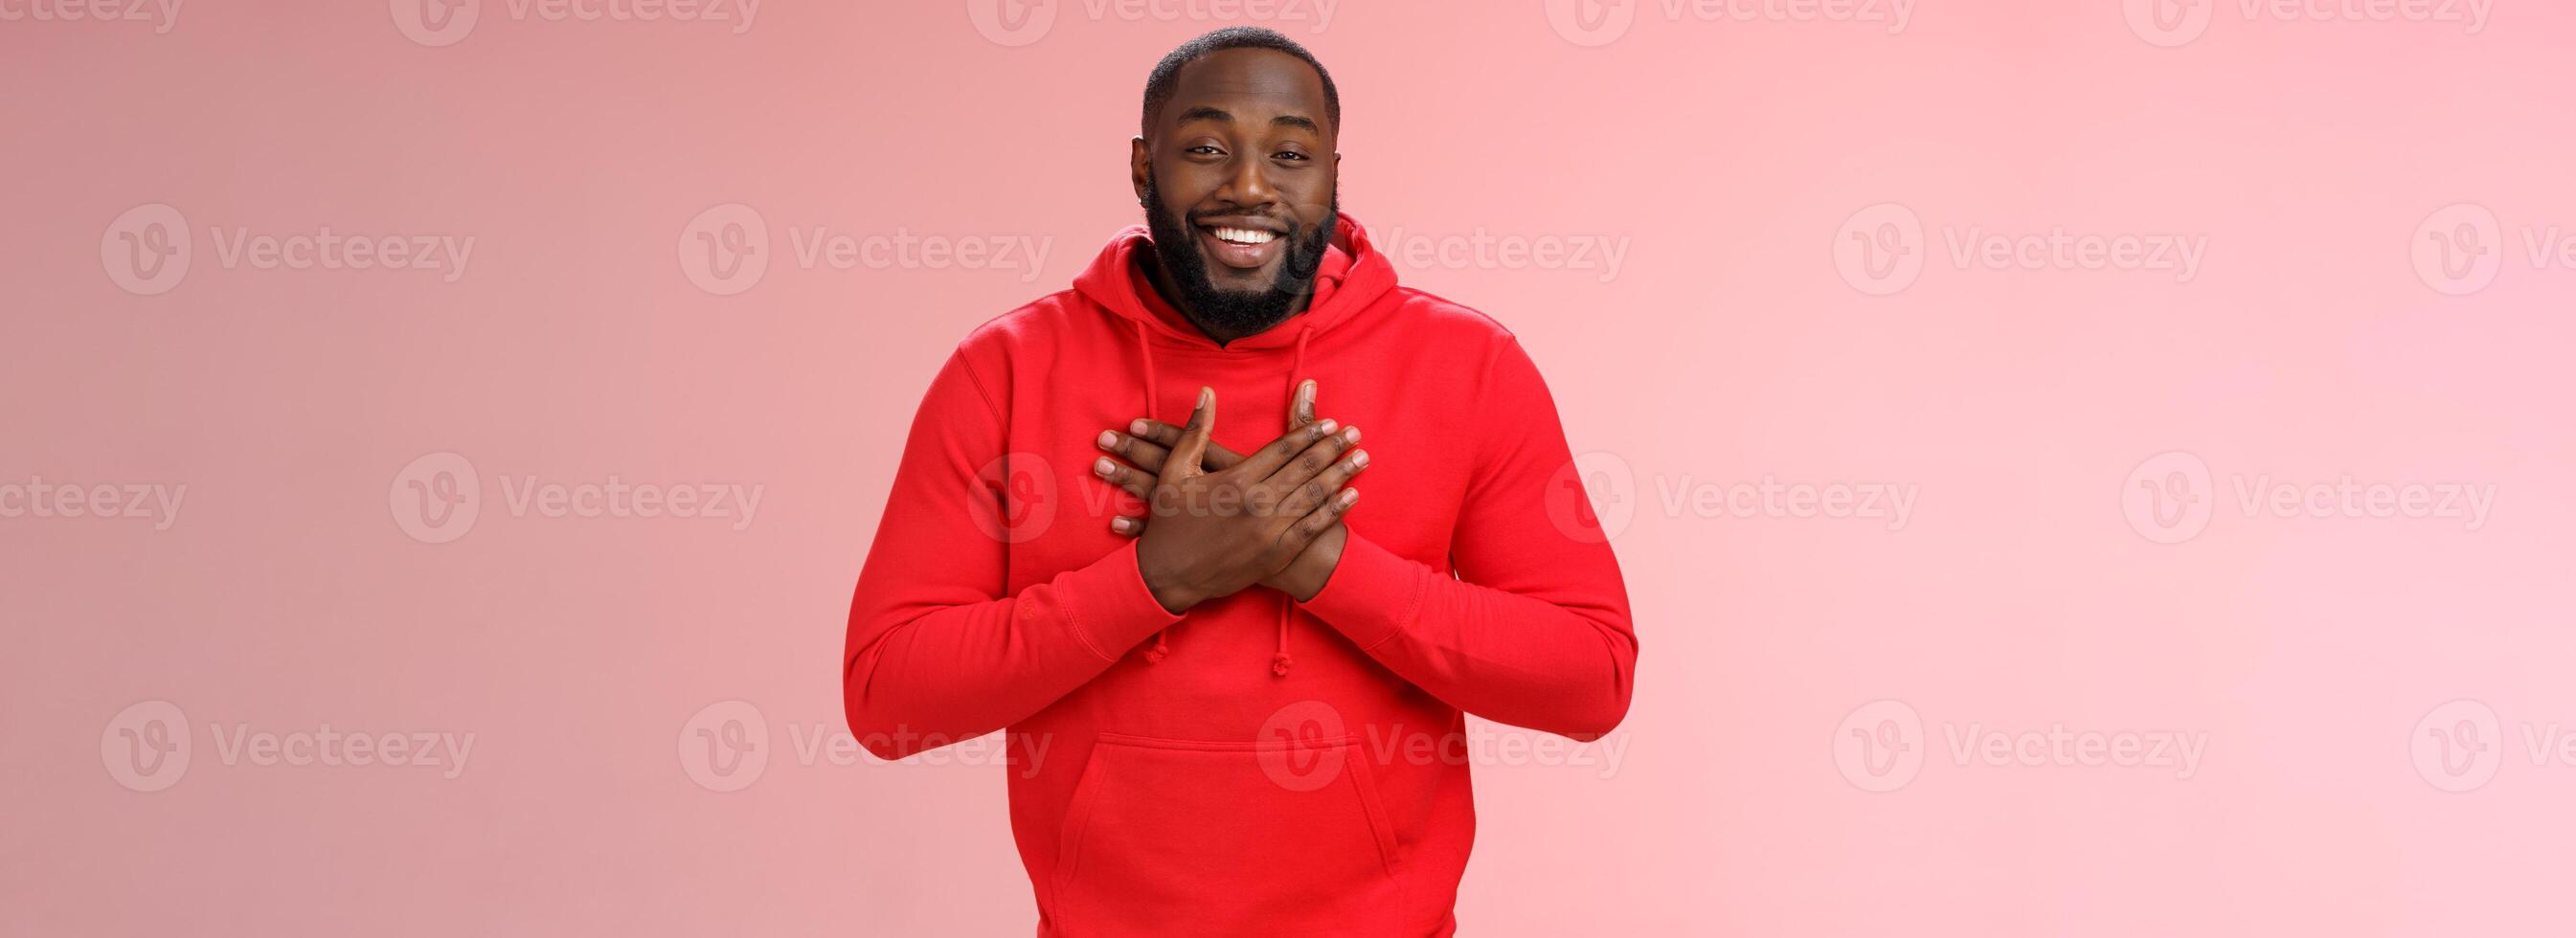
(1236, 702)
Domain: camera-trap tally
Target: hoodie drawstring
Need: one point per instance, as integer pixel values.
(1145, 348)
(1280, 662)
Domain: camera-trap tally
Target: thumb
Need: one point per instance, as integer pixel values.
(1184, 459)
(1301, 406)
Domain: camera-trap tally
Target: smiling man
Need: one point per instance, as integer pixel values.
(1236, 695)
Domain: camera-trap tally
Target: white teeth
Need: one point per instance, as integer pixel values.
(1244, 236)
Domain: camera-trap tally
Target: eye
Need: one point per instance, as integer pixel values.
(1204, 149)
(1289, 155)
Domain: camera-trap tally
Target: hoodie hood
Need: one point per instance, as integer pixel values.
(1352, 276)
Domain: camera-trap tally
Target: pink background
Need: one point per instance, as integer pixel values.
(2028, 588)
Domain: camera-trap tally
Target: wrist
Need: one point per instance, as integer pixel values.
(1173, 598)
(1307, 575)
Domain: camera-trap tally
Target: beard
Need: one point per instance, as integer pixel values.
(1219, 311)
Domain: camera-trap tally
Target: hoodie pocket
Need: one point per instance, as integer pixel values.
(1266, 837)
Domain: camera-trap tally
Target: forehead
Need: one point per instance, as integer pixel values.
(1251, 84)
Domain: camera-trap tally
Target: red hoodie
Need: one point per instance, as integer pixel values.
(1275, 767)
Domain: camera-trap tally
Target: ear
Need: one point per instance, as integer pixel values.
(1140, 165)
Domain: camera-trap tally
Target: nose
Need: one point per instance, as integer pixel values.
(1249, 186)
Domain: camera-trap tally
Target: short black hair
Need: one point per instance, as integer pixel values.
(1158, 86)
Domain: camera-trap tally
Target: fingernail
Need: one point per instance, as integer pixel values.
(1360, 459)
(1108, 440)
(1119, 525)
(1326, 428)
(1138, 428)
(1354, 435)
(1206, 395)
(1104, 466)
(1350, 495)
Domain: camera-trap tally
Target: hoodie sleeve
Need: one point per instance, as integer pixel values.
(1533, 631)
(937, 653)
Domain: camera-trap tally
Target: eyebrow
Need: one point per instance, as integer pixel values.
(1204, 112)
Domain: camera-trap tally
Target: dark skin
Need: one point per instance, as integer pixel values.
(1243, 144)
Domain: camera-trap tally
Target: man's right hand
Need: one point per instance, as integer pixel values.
(1147, 442)
(1217, 532)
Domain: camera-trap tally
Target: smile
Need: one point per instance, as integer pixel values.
(1240, 248)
